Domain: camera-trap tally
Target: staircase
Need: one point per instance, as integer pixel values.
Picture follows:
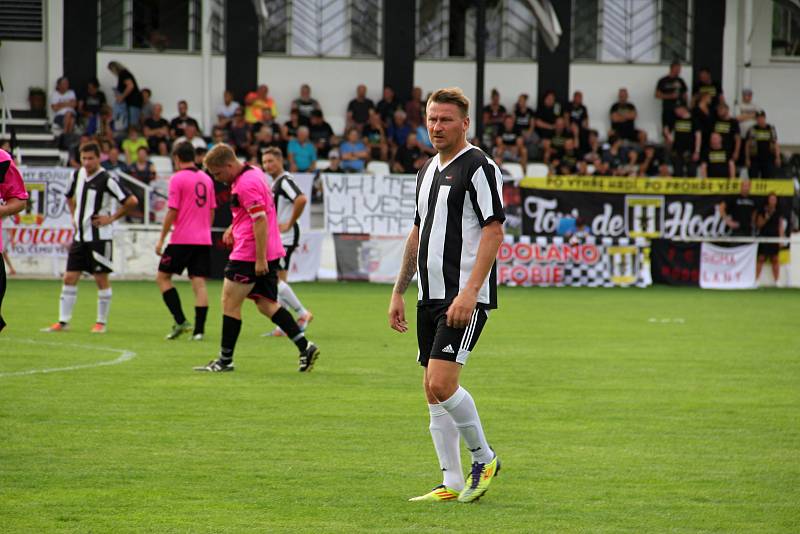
(36, 144)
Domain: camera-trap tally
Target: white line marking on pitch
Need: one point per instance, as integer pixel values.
(124, 356)
(676, 320)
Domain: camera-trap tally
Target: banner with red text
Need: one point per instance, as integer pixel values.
(589, 262)
(728, 267)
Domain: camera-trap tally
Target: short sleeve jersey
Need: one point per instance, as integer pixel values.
(11, 185)
(94, 195)
(454, 203)
(191, 194)
(250, 199)
(285, 191)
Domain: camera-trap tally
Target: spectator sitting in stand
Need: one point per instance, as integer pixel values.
(510, 143)
(358, 109)
(704, 85)
(334, 163)
(524, 118)
(320, 132)
(147, 105)
(424, 138)
(680, 138)
(218, 135)
(190, 135)
(156, 130)
(226, 110)
(415, 108)
(302, 152)
(89, 105)
(264, 140)
(105, 124)
(75, 151)
(113, 163)
(132, 143)
(398, 130)
(567, 160)
(374, 136)
(305, 105)
(717, 162)
(631, 167)
(623, 120)
(354, 152)
(613, 156)
(650, 161)
(388, 106)
(240, 135)
(545, 121)
(257, 102)
(290, 127)
(555, 144)
(493, 115)
(142, 168)
(665, 170)
(577, 117)
(409, 158)
(269, 121)
(63, 102)
(177, 125)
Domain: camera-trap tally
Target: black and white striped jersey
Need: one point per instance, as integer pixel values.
(454, 203)
(93, 196)
(285, 191)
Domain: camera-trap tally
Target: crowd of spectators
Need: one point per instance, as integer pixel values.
(699, 134)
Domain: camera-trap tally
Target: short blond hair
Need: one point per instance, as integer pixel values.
(218, 156)
(273, 151)
(450, 95)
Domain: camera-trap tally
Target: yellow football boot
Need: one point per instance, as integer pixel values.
(479, 479)
(440, 493)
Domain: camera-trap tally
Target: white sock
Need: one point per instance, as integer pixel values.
(103, 305)
(461, 408)
(288, 299)
(445, 441)
(69, 294)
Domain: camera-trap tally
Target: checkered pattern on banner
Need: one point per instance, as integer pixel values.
(624, 262)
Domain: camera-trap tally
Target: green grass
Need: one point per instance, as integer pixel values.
(605, 420)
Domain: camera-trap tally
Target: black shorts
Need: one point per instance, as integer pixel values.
(438, 341)
(92, 257)
(196, 259)
(285, 261)
(768, 250)
(244, 272)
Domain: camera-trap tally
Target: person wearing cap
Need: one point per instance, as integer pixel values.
(763, 153)
(334, 163)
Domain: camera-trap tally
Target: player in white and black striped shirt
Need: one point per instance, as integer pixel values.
(90, 197)
(452, 247)
(289, 205)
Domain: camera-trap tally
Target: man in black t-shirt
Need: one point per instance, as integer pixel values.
(493, 115)
(717, 162)
(156, 130)
(177, 124)
(320, 132)
(91, 100)
(127, 92)
(671, 90)
(623, 119)
(728, 128)
(509, 144)
(577, 117)
(305, 105)
(739, 212)
(387, 106)
(680, 139)
(358, 109)
(705, 85)
(763, 154)
(524, 118)
(409, 158)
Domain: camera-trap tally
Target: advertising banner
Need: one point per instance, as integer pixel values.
(638, 207)
(728, 267)
(675, 263)
(307, 257)
(591, 262)
(367, 257)
(367, 204)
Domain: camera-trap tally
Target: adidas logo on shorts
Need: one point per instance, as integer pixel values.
(449, 349)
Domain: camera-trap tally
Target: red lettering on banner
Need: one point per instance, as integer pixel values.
(719, 258)
(591, 254)
(504, 253)
(522, 252)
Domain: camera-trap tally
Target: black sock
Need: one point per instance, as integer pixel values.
(173, 302)
(200, 313)
(287, 323)
(230, 333)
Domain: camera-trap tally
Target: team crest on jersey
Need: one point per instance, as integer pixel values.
(449, 178)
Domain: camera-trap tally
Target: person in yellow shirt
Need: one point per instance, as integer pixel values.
(133, 143)
(256, 102)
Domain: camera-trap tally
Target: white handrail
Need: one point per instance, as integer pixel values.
(147, 190)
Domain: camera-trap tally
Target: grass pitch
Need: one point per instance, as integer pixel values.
(613, 411)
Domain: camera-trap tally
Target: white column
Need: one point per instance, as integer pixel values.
(54, 20)
(205, 30)
(730, 51)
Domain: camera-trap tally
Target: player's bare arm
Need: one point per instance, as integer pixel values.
(124, 209)
(227, 236)
(397, 313)
(260, 233)
(460, 311)
(12, 206)
(297, 209)
(169, 219)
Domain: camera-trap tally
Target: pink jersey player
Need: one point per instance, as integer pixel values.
(11, 185)
(191, 193)
(251, 196)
